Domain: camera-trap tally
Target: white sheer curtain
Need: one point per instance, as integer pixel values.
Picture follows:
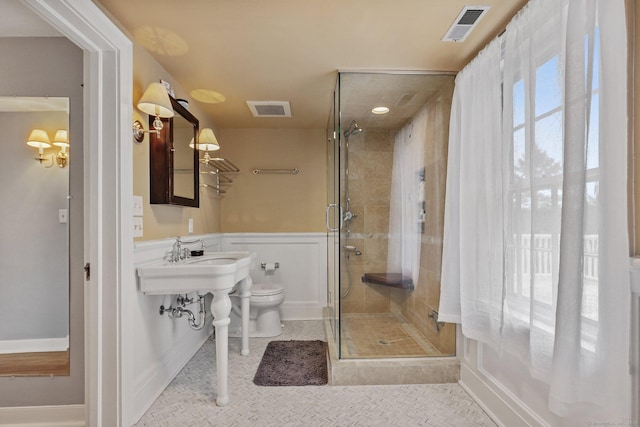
(406, 198)
(473, 244)
(551, 286)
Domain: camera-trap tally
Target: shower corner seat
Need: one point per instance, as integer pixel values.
(394, 280)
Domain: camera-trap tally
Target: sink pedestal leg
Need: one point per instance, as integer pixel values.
(244, 288)
(220, 308)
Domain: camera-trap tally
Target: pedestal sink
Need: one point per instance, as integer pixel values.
(217, 273)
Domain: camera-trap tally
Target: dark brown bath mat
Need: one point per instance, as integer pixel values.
(293, 363)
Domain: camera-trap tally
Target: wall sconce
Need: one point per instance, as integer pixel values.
(40, 140)
(154, 102)
(62, 140)
(207, 141)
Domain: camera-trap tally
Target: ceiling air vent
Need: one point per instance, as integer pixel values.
(405, 98)
(464, 23)
(270, 108)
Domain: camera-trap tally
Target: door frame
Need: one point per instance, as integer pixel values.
(108, 159)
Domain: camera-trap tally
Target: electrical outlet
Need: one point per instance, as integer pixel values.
(62, 216)
(190, 225)
(137, 226)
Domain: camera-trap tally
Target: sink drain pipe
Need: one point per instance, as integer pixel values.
(180, 310)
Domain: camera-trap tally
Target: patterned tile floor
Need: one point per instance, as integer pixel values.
(382, 335)
(190, 399)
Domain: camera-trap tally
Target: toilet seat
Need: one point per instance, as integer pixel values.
(262, 290)
(266, 289)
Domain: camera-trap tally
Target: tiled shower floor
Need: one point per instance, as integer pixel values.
(382, 335)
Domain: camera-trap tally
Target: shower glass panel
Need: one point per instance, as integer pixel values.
(386, 213)
(333, 219)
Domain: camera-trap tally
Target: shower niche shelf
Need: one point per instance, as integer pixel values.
(220, 172)
(394, 280)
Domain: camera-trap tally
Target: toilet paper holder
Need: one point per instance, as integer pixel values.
(264, 265)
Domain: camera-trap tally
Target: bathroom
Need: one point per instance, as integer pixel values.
(299, 210)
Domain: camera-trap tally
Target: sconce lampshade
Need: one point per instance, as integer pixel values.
(155, 101)
(207, 141)
(39, 139)
(61, 139)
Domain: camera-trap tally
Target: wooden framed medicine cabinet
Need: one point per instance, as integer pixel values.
(174, 160)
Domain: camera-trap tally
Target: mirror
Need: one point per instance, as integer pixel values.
(34, 266)
(174, 162)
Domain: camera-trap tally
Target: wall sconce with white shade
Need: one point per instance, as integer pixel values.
(61, 139)
(39, 139)
(207, 141)
(154, 102)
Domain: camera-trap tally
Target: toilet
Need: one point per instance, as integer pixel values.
(265, 302)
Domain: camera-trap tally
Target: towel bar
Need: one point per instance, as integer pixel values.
(276, 171)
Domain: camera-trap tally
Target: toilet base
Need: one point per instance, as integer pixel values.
(268, 320)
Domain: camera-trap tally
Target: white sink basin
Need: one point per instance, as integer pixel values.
(210, 272)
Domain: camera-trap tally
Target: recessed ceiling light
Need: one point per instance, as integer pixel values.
(208, 96)
(380, 110)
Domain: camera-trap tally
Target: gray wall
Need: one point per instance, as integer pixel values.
(52, 67)
(34, 272)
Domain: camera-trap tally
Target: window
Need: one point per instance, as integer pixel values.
(536, 186)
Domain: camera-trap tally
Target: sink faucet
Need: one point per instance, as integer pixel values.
(178, 253)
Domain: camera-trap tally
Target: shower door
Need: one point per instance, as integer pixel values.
(333, 219)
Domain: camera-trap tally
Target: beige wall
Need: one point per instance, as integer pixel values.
(275, 203)
(161, 221)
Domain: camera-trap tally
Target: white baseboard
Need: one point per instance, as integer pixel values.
(34, 345)
(43, 416)
(503, 410)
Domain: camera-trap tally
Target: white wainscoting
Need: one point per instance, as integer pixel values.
(155, 348)
(303, 268)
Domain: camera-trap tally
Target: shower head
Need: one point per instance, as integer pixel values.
(353, 129)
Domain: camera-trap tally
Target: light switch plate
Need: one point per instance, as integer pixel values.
(62, 216)
(137, 205)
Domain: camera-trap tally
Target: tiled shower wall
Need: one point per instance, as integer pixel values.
(370, 165)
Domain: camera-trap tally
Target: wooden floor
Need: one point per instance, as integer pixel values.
(35, 364)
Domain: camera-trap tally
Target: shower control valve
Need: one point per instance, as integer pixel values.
(348, 216)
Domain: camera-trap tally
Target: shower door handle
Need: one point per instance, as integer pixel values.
(329, 206)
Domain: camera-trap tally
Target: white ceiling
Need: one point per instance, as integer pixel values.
(287, 50)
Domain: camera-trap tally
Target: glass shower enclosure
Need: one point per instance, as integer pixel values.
(385, 214)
